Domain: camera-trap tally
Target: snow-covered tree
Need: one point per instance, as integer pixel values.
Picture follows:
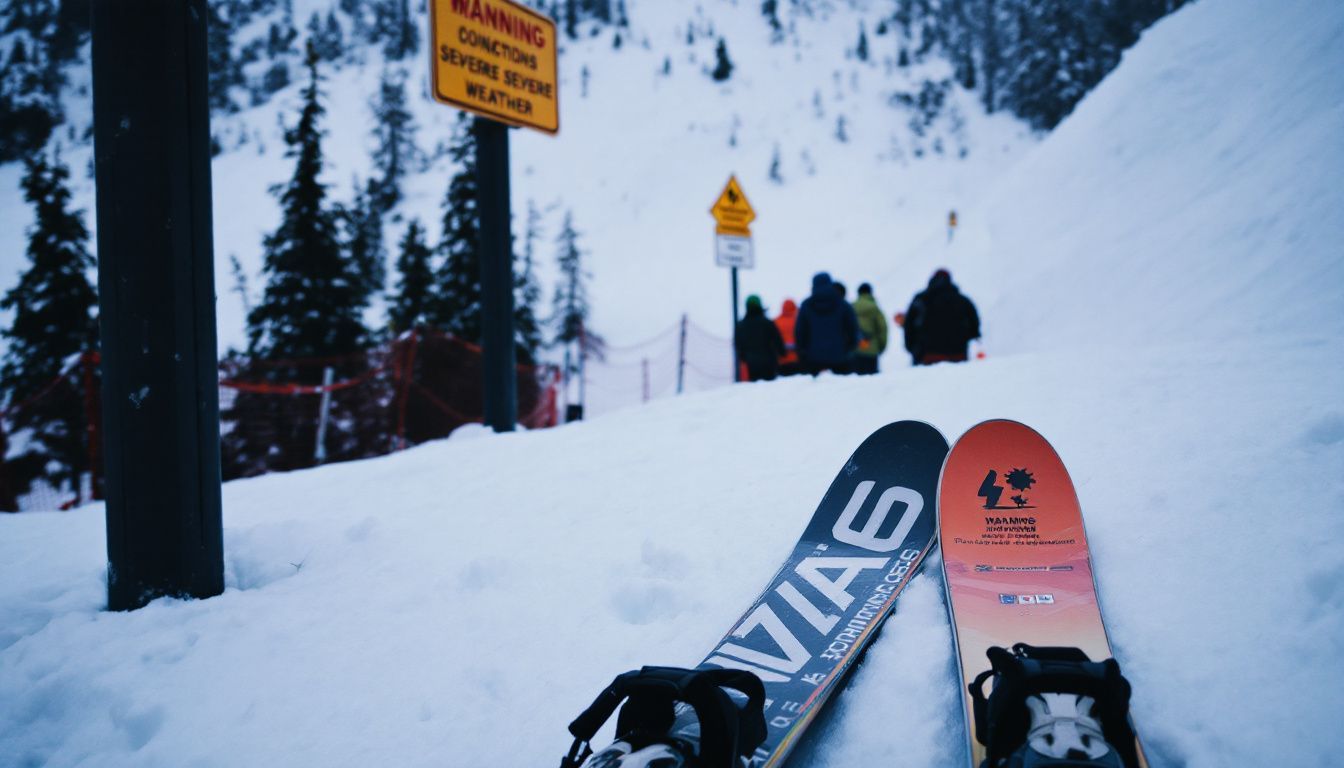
(409, 306)
(30, 79)
(314, 294)
(54, 309)
(527, 292)
(361, 227)
(226, 72)
(397, 153)
(456, 306)
(723, 66)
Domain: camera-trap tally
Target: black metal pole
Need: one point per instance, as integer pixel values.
(156, 301)
(492, 183)
(737, 365)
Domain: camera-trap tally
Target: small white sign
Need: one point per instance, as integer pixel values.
(733, 251)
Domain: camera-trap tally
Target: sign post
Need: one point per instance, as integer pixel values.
(156, 298)
(496, 59)
(732, 242)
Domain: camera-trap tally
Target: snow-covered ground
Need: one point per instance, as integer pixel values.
(1161, 285)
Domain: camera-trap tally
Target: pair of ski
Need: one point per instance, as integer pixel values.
(1018, 576)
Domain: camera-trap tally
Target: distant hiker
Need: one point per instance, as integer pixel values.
(788, 315)
(872, 331)
(759, 345)
(951, 224)
(826, 330)
(940, 322)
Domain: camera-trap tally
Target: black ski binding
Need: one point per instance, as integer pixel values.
(1053, 708)
(674, 718)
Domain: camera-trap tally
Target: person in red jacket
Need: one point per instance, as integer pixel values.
(788, 364)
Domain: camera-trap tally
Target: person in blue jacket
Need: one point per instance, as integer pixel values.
(827, 331)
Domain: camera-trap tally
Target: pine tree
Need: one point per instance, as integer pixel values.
(409, 307)
(362, 239)
(29, 88)
(457, 302)
(572, 19)
(775, 175)
(861, 49)
(570, 308)
(396, 29)
(225, 71)
(770, 9)
(312, 303)
(527, 292)
(312, 308)
(723, 67)
(54, 308)
(326, 37)
(396, 153)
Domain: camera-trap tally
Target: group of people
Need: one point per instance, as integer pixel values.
(828, 333)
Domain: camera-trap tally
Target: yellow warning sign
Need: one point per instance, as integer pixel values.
(732, 211)
(496, 58)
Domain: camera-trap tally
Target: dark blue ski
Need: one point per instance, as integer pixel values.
(872, 529)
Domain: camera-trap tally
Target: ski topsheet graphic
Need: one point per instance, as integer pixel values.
(864, 543)
(1015, 556)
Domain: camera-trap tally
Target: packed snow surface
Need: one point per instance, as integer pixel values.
(1160, 281)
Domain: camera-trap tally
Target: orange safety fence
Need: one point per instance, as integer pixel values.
(419, 386)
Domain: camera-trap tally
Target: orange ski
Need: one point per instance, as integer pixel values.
(1015, 557)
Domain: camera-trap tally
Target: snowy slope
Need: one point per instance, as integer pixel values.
(458, 603)
(640, 158)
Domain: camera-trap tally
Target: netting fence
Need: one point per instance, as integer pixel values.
(683, 357)
(279, 415)
(275, 415)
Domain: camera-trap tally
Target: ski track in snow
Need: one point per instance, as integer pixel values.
(1172, 323)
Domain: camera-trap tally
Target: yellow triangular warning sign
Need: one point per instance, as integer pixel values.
(732, 211)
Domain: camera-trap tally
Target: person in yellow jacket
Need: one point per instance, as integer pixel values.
(872, 331)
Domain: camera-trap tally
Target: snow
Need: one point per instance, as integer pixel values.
(1160, 282)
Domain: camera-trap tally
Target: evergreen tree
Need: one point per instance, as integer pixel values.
(570, 308)
(409, 307)
(312, 309)
(225, 70)
(457, 302)
(572, 19)
(770, 9)
(861, 49)
(775, 175)
(313, 298)
(326, 36)
(723, 67)
(395, 132)
(29, 87)
(54, 308)
(362, 238)
(71, 29)
(527, 292)
(396, 29)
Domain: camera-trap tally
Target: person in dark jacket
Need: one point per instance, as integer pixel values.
(759, 345)
(826, 332)
(940, 322)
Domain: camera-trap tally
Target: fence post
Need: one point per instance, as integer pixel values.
(92, 420)
(681, 355)
(324, 411)
(407, 371)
